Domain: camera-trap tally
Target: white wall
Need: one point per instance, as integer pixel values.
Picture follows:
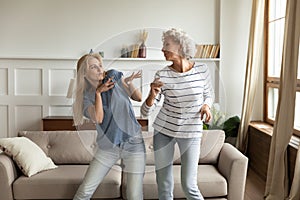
(69, 28)
(41, 38)
(234, 34)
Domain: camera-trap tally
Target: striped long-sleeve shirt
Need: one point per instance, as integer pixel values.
(184, 94)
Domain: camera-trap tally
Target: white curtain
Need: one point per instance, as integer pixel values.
(254, 62)
(277, 178)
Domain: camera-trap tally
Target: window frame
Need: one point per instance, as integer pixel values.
(271, 81)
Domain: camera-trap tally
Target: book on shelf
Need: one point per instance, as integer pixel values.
(207, 50)
(134, 50)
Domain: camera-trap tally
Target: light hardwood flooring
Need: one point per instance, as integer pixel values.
(255, 186)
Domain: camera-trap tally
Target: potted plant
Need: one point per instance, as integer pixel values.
(230, 125)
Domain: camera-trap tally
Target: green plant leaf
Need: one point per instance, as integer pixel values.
(205, 126)
(231, 126)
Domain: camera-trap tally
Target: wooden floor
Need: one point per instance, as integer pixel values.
(255, 186)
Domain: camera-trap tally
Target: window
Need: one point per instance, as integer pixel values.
(275, 34)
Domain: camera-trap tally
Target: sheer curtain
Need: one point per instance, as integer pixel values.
(277, 179)
(254, 62)
(295, 189)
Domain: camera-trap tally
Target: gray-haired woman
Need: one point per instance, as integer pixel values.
(188, 96)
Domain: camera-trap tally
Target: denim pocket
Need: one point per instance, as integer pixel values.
(135, 140)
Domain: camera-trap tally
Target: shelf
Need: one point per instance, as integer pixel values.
(133, 59)
(206, 59)
(159, 59)
(106, 59)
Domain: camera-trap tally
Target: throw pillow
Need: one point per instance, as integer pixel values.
(29, 157)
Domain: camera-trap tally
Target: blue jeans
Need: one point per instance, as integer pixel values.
(189, 154)
(133, 157)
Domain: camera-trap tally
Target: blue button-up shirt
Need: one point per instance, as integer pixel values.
(119, 123)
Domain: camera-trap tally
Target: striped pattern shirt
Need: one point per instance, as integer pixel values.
(184, 94)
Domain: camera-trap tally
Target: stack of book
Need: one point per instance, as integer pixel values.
(207, 51)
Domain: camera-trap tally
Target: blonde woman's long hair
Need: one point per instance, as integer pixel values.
(82, 66)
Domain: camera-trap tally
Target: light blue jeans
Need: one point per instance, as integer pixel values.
(133, 161)
(189, 155)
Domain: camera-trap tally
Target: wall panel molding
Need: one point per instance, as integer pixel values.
(24, 91)
(3, 81)
(28, 82)
(4, 121)
(37, 88)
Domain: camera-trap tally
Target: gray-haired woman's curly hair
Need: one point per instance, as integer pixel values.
(182, 38)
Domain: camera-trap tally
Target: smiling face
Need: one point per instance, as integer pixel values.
(171, 49)
(94, 70)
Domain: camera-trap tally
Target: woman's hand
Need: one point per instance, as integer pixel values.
(98, 114)
(134, 93)
(128, 80)
(103, 87)
(205, 110)
(155, 87)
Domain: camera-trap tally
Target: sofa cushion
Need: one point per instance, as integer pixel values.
(211, 145)
(27, 155)
(63, 182)
(65, 147)
(210, 182)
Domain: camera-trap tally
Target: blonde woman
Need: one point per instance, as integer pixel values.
(188, 96)
(103, 97)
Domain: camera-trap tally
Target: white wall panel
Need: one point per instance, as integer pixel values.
(28, 118)
(28, 82)
(3, 121)
(60, 110)
(39, 88)
(59, 81)
(25, 85)
(3, 81)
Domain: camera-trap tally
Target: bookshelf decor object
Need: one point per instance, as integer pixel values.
(207, 51)
(137, 50)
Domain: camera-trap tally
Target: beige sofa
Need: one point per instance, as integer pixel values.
(222, 169)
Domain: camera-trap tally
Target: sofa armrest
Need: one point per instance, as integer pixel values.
(233, 166)
(8, 174)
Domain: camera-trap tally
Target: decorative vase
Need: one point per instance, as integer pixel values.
(142, 50)
(124, 52)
